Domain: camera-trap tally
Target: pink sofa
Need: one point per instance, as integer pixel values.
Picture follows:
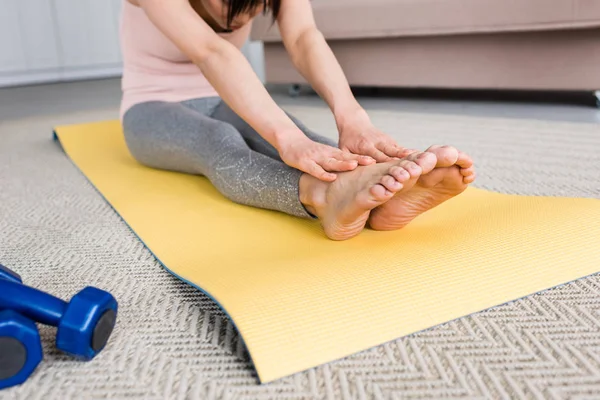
(473, 44)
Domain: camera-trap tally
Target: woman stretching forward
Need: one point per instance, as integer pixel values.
(192, 103)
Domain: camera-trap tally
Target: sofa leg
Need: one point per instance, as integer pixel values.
(597, 94)
(294, 90)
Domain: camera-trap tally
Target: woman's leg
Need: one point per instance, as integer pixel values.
(173, 137)
(222, 112)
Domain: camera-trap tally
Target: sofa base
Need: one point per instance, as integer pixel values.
(553, 60)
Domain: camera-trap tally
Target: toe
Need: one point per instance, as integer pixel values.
(464, 160)
(380, 193)
(406, 152)
(413, 169)
(449, 175)
(467, 171)
(433, 178)
(390, 183)
(470, 178)
(400, 174)
(426, 160)
(446, 155)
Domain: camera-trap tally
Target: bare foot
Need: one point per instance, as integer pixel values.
(453, 172)
(343, 206)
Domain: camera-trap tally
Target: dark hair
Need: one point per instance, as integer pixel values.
(237, 7)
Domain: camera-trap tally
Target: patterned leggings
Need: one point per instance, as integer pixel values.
(205, 137)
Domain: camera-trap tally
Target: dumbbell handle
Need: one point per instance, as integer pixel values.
(32, 303)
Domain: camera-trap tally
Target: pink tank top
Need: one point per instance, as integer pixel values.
(154, 68)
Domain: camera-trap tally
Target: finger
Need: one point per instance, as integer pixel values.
(390, 149)
(366, 160)
(366, 147)
(333, 164)
(404, 152)
(362, 160)
(318, 172)
(375, 153)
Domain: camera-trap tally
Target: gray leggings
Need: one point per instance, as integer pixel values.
(205, 137)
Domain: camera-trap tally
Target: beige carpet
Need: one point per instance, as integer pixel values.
(173, 342)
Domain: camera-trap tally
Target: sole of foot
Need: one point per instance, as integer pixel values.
(348, 201)
(452, 174)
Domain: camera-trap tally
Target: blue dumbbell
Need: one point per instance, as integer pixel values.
(84, 324)
(20, 346)
(9, 274)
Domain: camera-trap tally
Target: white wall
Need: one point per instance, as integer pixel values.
(54, 40)
(62, 40)
(254, 52)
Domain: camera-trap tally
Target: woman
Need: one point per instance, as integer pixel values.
(192, 103)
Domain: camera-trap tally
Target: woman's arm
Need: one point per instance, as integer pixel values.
(228, 71)
(313, 58)
(223, 65)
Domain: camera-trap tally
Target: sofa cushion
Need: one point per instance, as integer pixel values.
(349, 19)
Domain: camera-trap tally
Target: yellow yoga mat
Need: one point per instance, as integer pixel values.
(300, 300)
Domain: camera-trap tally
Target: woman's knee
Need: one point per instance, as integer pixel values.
(151, 143)
(137, 142)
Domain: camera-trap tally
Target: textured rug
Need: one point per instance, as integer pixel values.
(173, 342)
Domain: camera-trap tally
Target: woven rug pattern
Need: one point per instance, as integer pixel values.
(173, 342)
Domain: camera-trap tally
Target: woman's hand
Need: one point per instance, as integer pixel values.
(359, 136)
(319, 160)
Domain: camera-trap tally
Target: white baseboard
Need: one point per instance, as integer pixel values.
(90, 73)
(19, 78)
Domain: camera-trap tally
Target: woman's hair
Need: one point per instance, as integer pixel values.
(237, 7)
